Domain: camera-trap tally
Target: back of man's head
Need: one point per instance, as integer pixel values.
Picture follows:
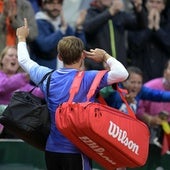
(70, 49)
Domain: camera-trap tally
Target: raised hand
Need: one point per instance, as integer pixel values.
(98, 55)
(22, 32)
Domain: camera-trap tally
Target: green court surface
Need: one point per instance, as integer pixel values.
(18, 155)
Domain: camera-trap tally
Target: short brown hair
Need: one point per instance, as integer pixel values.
(70, 49)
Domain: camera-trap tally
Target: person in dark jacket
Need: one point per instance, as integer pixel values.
(149, 48)
(105, 25)
(51, 27)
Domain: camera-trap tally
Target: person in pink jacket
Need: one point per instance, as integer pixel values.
(12, 78)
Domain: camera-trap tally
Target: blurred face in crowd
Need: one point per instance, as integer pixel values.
(133, 84)
(155, 4)
(9, 61)
(167, 73)
(53, 8)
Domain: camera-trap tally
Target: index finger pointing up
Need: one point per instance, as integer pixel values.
(25, 23)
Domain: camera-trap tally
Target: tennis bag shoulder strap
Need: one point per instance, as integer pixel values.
(76, 85)
(77, 82)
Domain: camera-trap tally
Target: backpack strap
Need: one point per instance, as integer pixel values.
(45, 76)
(41, 81)
(75, 85)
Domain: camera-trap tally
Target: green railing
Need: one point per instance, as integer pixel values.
(18, 155)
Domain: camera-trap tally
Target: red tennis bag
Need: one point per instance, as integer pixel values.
(108, 136)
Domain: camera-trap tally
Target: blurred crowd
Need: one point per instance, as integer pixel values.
(136, 32)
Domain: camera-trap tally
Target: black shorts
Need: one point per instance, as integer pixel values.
(65, 161)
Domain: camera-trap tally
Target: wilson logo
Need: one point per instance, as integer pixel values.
(122, 136)
(96, 148)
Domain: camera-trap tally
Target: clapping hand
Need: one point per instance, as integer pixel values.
(116, 7)
(137, 4)
(154, 19)
(64, 24)
(130, 97)
(80, 19)
(157, 20)
(10, 9)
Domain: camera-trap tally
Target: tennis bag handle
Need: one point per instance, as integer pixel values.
(76, 85)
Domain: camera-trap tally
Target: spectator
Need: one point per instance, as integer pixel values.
(12, 79)
(105, 25)
(136, 92)
(12, 13)
(60, 152)
(149, 112)
(149, 48)
(52, 27)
